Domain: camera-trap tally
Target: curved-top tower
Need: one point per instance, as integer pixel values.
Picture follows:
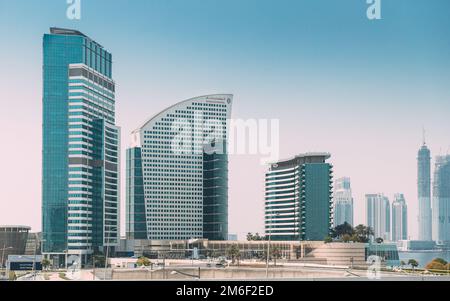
(177, 172)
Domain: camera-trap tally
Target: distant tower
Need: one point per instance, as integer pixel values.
(399, 218)
(424, 191)
(441, 200)
(343, 202)
(379, 215)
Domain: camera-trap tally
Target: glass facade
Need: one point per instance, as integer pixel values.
(177, 179)
(343, 202)
(399, 218)
(80, 145)
(298, 198)
(379, 215)
(215, 193)
(441, 200)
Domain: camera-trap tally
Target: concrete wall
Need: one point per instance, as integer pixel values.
(228, 273)
(340, 253)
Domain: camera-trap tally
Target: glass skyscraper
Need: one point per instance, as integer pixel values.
(80, 186)
(424, 192)
(177, 172)
(441, 200)
(379, 215)
(399, 218)
(298, 198)
(343, 202)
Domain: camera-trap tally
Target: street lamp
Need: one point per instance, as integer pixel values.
(268, 244)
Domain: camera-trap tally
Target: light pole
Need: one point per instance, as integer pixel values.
(268, 244)
(107, 250)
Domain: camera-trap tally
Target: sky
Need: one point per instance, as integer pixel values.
(337, 82)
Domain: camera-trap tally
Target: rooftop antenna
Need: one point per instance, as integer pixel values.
(424, 136)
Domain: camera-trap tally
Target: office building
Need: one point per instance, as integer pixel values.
(177, 172)
(80, 186)
(343, 202)
(298, 198)
(13, 241)
(441, 200)
(399, 218)
(379, 215)
(424, 192)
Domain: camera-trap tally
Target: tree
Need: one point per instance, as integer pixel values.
(346, 238)
(436, 266)
(275, 253)
(234, 253)
(440, 260)
(379, 240)
(363, 234)
(402, 263)
(341, 230)
(143, 261)
(45, 263)
(99, 261)
(413, 263)
(254, 237)
(328, 240)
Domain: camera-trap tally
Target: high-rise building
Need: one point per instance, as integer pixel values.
(343, 202)
(441, 200)
(80, 186)
(379, 215)
(424, 192)
(399, 218)
(177, 172)
(298, 198)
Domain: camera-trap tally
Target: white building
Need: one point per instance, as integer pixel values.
(176, 188)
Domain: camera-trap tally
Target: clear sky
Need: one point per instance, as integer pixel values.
(361, 90)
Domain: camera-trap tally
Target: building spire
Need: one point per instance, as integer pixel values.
(424, 136)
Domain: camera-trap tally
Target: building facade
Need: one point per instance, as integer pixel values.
(399, 218)
(177, 172)
(343, 202)
(13, 241)
(80, 197)
(378, 215)
(424, 193)
(298, 198)
(441, 200)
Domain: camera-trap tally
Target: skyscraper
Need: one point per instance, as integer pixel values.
(399, 218)
(424, 192)
(379, 215)
(80, 180)
(441, 200)
(298, 198)
(343, 202)
(177, 172)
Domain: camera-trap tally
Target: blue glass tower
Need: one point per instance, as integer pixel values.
(80, 183)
